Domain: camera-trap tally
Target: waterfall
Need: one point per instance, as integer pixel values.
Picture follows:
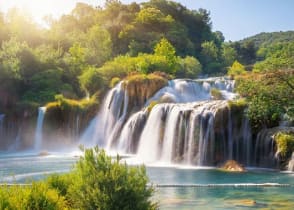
(291, 163)
(39, 128)
(184, 127)
(104, 127)
(184, 91)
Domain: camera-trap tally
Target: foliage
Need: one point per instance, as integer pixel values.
(236, 69)
(114, 81)
(268, 39)
(99, 45)
(269, 97)
(211, 57)
(285, 144)
(107, 184)
(280, 56)
(190, 67)
(71, 104)
(38, 196)
(96, 182)
(91, 80)
(45, 85)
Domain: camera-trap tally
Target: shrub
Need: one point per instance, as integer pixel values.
(96, 182)
(216, 94)
(103, 183)
(285, 144)
(37, 196)
(236, 69)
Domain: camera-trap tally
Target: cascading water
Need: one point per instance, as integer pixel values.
(185, 127)
(291, 163)
(39, 128)
(104, 127)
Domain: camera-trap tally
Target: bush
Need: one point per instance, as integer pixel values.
(285, 143)
(236, 69)
(38, 196)
(96, 182)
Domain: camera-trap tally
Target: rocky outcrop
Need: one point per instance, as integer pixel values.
(233, 166)
(141, 87)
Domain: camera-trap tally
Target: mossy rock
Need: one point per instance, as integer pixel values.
(216, 94)
(140, 87)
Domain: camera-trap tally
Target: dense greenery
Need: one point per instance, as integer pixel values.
(270, 97)
(267, 39)
(285, 144)
(79, 53)
(96, 182)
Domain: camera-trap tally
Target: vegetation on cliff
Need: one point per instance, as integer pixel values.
(270, 97)
(285, 144)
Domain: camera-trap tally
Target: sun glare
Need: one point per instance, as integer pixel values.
(39, 8)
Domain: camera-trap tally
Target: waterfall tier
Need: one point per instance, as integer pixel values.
(39, 128)
(178, 124)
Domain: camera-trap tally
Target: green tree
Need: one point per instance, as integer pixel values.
(190, 67)
(91, 81)
(236, 69)
(269, 97)
(164, 48)
(229, 54)
(99, 45)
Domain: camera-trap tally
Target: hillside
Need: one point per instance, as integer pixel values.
(266, 39)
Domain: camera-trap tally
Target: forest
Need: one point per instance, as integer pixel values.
(84, 53)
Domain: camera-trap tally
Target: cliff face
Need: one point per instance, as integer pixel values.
(142, 87)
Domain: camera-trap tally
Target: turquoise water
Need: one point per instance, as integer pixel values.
(222, 197)
(22, 168)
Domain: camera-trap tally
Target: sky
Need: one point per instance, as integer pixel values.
(236, 19)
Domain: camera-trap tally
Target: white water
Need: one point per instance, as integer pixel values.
(186, 127)
(39, 128)
(109, 120)
(183, 91)
(291, 163)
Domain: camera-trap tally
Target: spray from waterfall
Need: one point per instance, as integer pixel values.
(39, 128)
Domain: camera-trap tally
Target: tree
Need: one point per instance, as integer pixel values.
(91, 81)
(10, 58)
(229, 54)
(236, 69)
(165, 49)
(270, 96)
(210, 57)
(190, 68)
(99, 45)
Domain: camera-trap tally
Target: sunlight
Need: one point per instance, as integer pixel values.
(40, 8)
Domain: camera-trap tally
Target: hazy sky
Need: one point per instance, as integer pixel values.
(237, 19)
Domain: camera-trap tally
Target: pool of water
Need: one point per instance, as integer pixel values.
(176, 187)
